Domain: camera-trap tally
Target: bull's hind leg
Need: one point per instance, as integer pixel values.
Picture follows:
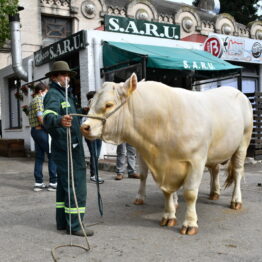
(143, 171)
(236, 168)
(214, 182)
(235, 174)
(169, 216)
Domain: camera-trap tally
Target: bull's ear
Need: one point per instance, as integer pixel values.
(130, 84)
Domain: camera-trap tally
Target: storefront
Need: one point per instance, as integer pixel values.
(98, 56)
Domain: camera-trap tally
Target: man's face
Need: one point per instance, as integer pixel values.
(61, 79)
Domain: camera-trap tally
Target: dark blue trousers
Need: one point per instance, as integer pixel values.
(94, 147)
(40, 137)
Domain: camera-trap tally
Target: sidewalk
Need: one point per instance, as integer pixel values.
(127, 232)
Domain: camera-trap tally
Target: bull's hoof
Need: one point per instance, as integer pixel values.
(189, 230)
(214, 196)
(236, 205)
(168, 222)
(139, 202)
(163, 222)
(171, 222)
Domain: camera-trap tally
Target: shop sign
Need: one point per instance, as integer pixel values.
(125, 25)
(214, 46)
(193, 65)
(235, 48)
(63, 47)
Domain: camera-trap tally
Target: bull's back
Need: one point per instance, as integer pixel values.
(211, 119)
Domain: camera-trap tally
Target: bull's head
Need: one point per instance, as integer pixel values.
(108, 105)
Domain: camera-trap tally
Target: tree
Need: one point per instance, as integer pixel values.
(7, 7)
(244, 11)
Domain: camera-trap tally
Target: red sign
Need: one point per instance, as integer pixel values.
(213, 45)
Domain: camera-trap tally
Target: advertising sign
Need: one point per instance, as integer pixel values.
(233, 48)
(214, 46)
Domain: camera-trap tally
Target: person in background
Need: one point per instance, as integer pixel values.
(94, 147)
(125, 151)
(40, 137)
(57, 120)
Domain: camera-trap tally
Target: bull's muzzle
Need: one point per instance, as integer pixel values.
(85, 130)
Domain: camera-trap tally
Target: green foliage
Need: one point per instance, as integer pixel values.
(244, 11)
(7, 7)
(195, 2)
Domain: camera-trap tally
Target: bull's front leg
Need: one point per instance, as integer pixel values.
(143, 171)
(191, 186)
(169, 216)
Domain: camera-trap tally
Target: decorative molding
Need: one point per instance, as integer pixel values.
(225, 23)
(165, 19)
(58, 3)
(131, 6)
(116, 11)
(186, 11)
(226, 29)
(142, 14)
(88, 9)
(187, 24)
(258, 34)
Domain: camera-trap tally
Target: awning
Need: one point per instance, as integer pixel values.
(163, 57)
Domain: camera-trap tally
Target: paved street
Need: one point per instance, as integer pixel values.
(127, 232)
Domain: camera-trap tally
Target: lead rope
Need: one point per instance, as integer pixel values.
(70, 169)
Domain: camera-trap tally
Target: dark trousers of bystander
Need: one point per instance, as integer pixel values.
(40, 137)
(94, 147)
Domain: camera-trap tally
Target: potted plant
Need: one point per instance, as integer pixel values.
(24, 89)
(19, 96)
(25, 109)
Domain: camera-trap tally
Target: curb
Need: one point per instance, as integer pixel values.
(104, 165)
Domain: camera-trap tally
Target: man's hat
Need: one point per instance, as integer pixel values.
(60, 67)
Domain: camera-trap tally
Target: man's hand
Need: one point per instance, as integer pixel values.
(66, 121)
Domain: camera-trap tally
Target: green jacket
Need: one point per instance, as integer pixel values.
(54, 108)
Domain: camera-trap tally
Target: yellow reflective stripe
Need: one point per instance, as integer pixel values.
(74, 210)
(65, 104)
(60, 204)
(46, 112)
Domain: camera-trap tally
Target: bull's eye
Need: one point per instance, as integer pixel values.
(109, 105)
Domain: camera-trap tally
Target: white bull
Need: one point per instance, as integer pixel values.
(177, 132)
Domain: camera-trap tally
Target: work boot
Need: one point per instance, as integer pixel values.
(80, 233)
(135, 175)
(119, 177)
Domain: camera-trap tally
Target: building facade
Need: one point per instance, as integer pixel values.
(46, 21)
(56, 20)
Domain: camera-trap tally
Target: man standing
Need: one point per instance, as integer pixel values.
(126, 152)
(56, 121)
(40, 137)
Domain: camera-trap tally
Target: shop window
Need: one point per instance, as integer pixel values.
(14, 103)
(120, 75)
(249, 85)
(230, 82)
(54, 28)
